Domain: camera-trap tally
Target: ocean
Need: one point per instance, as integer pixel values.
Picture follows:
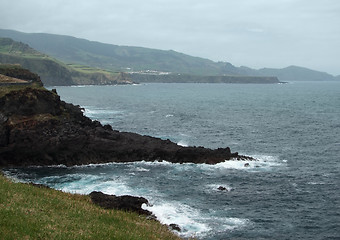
(293, 129)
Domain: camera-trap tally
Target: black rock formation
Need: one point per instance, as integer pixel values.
(37, 128)
(174, 227)
(221, 188)
(126, 202)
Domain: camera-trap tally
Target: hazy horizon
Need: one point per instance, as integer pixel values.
(252, 33)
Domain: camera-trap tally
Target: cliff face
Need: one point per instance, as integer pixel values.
(52, 72)
(55, 74)
(14, 71)
(37, 128)
(100, 79)
(183, 78)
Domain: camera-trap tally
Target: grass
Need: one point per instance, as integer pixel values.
(91, 70)
(8, 88)
(29, 212)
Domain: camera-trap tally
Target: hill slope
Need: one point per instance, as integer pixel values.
(123, 58)
(51, 71)
(118, 58)
(295, 73)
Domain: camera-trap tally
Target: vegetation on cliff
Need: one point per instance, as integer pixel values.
(52, 71)
(29, 212)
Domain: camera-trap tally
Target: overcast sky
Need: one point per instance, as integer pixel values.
(253, 33)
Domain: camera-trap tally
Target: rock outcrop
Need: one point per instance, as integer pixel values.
(125, 202)
(37, 128)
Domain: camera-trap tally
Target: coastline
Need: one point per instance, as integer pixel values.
(38, 128)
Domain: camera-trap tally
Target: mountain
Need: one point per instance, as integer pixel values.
(291, 73)
(51, 71)
(295, 73)
(54, 72)
(135, 59)
(117, 58)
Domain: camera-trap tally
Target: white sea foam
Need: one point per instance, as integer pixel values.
(85, 184)
(234, 223)
(154, 163)
(94, 165)
(94, 112)
(263, 163)
(141, 169)
(183, 143)
(316, 183)
(15, 178)
(184, 216)
(192, 222)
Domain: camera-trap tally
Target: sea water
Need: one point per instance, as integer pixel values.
(291, 192)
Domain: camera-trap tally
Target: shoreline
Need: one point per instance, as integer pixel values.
(38, 128)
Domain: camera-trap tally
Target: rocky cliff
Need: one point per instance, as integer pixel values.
(37, 128)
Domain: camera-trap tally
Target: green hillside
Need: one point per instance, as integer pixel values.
(133, 59)
(52, 71)
(119, 58)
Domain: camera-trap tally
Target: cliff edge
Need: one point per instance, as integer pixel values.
(37, 128)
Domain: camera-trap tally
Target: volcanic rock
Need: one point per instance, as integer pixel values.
(126, 202)
(221, 188)
(37, 128)
(174, 227)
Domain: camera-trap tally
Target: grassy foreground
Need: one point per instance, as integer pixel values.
(28, 212)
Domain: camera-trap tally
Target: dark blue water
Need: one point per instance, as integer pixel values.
(292, 192)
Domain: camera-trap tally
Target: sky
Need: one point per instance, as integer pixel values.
(253, 33)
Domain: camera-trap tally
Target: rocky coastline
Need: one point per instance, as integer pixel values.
(37, 128)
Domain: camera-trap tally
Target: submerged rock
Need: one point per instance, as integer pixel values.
(175, 227)
(126, 202)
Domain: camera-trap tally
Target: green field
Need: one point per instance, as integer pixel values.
(89, 70)
(29, 212)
